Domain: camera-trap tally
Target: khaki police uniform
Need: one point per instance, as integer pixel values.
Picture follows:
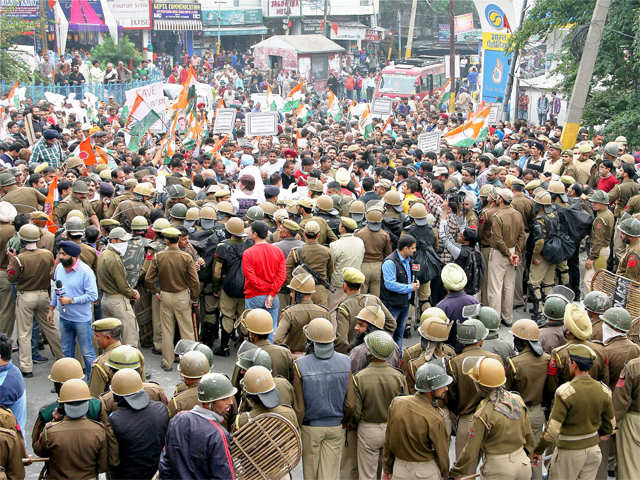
(377, 247)
(326, 235)
(320, 260)
(526, 373)
(154, 391)
(366, 407)
(156, 324)
(12, 452)
(501, 432)
(541, 272)
(100, 373)
(69, 203)
(629, 265)
(463, 395)
(117, 294)
(413, 358)
(582, 412)
(25, 199)
(129, 209)
(179, 285)
(485, 222)
(602, 230)
(31, 272)
(416, 441)
(281, 359)
(507, 237)
(626, 403)
(7, 301)
(292, 319)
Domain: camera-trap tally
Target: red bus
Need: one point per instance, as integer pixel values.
(407, 81)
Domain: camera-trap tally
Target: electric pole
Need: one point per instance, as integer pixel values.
(512, 70)
(325, 28)
(585, 71)
(399, 37)
(452, 57)
(412, 22)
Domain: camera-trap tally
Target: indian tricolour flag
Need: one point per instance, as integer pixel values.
(294, 99)
(16, 95)
(270, 101)
(303, 113)
(140, 127)
(366, 123)
(334, 110)
(475, 129)
(194, 131)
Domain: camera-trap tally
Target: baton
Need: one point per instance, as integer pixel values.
(30, 460)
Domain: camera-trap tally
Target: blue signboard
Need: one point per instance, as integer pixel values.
(232, 17)
(495, 74)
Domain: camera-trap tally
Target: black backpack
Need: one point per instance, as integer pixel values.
(558, 244)
(233, 283)
(471, 261)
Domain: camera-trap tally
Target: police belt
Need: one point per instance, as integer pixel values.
(576, 438)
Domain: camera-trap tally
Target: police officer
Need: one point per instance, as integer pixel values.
(12, 452)
(353, 302)
(228, 281)
(139, 205)
(74, 230)
(193, 366)
(325, 235)
(464, 398)
(126, 356)
(106, 335)
(179, 288)
(139, 425)
(581, 416)
(154, 247)
(127, 193)
(61, 371)
(320, 383)
(542, 272)
(177, 214)
(78, 200)
(596, 303)
(317, 257)
(325, 210)
(377, 247)
(629, 266)
(192, 220)
(393, 218)
(116, 292)
(434, 332)
(507, 246)
(25, 199)
(367, 403)
(488, 198)
(526, 373)
(31, 271)
(76, 446)
(602, 231)
(177, 194)
(47, 239)
(490, 319)
(552, 331)
(356, 212)
(501, 428)
(7, 302)
(618, 348)
(626, 404)
(429, 458)
(259, 325)
(577, 331)
(263, 396)
(197, 445)
(301, 311)
(370, 319)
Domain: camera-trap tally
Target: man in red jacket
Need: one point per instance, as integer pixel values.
(264, 270)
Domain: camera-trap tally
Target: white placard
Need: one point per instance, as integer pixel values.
(261, 124)
(495, 113)
(153, 97)
(382, 106)
(430, 141)
(225, 120)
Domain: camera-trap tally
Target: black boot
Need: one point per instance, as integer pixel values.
(207, 331)
(223, 349)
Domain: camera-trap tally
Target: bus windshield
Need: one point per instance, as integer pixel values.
(401, 84)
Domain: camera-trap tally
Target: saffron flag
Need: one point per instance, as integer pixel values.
(366, 123)
(136, 105)
(334, 109)
(48, 205)
(85, 152)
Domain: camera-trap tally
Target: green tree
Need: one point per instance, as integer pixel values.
(110, 52)
(13, 67)
(613, 97)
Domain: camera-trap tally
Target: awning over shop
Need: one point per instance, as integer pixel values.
(179, 16)
(83, 16)
(239, 30)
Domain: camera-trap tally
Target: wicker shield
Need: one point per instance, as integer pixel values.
(266, 448)
(623, 291)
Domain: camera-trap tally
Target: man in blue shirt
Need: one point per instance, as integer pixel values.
(74, 295)
(12, 392)
(398, 283)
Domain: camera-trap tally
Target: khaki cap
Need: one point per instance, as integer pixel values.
(349, 223)
(38, 216)
(312, 227)
(105, 324)
(581, 350)
(291, 225)
(171, 232)
(305, 202)
(353, 275)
